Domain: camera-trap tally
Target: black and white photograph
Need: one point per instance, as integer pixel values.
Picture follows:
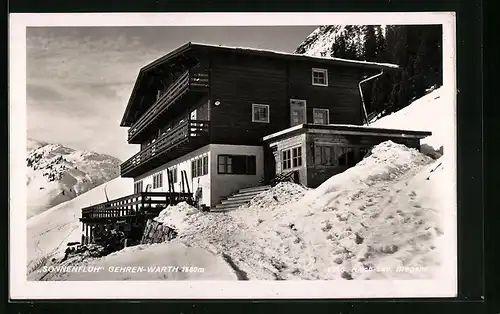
(233, 155)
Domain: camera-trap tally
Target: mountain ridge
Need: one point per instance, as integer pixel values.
(56, 173)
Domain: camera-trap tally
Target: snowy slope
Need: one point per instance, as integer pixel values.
(382, 213)
(152, 262)
(56, 174)
(48, 232)
(32, 144)
(421, 115)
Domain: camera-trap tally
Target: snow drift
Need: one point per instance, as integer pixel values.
(56, 174)
(165, 261)
(379, 219)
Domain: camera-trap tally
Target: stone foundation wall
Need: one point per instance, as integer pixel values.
(156, 232)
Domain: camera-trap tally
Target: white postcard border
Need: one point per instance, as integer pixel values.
(444, 285)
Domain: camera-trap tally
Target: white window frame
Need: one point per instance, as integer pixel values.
(298, 157)
(261, 106)
(327, 114)
(158, 180)
(294, 101)
(318, 70)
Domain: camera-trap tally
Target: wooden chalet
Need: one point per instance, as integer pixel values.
(211, 120)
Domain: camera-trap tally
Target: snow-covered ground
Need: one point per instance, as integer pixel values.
(366, 223)
(56, 174)
(382, 214)
(419, 115)
(49, 232)
(164, 261)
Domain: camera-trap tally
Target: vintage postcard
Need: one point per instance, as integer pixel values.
(189, 155)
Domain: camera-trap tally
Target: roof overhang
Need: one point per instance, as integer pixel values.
(142, 73)
(344, 129)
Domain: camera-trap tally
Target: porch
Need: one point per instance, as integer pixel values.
(127, 214)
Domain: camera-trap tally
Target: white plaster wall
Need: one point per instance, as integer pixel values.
(214, 186)
(182, 163)
(226, 184)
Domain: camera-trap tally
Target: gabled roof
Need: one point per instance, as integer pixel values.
(249, 51)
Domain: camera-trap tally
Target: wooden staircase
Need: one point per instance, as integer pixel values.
(240, 198)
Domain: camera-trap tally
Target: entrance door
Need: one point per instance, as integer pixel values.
(297, 112)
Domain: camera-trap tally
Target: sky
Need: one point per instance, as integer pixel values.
(79, 79)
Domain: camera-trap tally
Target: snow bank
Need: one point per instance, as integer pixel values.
(177, 216)
(386, 162)
(379, 219)
(282, 193)
(48, 232)
(56, 174)
(416, 116)
(165, 261)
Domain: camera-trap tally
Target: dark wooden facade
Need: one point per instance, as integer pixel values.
(348, 142)
(222, 84)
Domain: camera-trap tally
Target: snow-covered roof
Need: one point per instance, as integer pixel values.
(295, 55)
(347, 129)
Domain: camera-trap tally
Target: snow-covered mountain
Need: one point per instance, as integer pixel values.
(56, 173)
(320, 42)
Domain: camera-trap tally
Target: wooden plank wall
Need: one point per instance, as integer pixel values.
(238, 81)
(341, 96)
(317, 174)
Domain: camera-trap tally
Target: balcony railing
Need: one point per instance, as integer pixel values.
(188, 80)
(183, 132)
(135, 204)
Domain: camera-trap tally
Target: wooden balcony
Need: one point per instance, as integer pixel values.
(190, 82)
(183, 138)
(139, 204)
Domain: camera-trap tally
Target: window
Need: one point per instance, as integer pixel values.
(320, 77)
(297, 112)
(321, 116)
(158, 180)
(292, 158)
(138, 187)
(205, 164)
(286, 159)
(324, 155)
(173, 174)
(199, 166)
(236, 164)
(260, 113)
